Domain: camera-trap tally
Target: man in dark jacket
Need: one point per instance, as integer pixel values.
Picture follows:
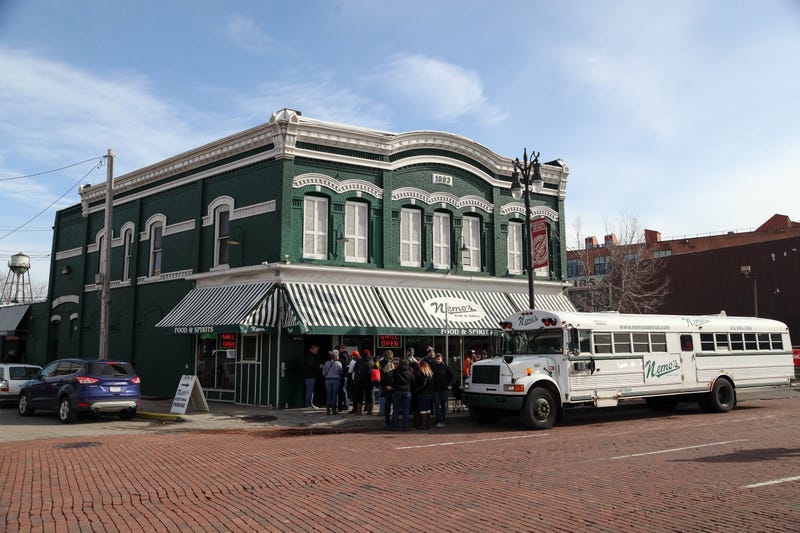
(312, 366)
(442, 377)
(402, 379)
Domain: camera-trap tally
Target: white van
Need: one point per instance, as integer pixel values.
(12, 376)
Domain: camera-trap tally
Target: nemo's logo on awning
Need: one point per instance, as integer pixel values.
(454, 309)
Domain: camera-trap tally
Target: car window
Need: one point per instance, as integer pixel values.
(49, 370)
(111, 369)
(65, 368)
(22, 372)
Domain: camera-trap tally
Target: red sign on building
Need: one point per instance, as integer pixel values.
(227, 341)
(539, 251)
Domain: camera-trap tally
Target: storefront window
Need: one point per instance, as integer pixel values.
(216, 368)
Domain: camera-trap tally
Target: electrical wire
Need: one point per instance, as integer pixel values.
(54, 170)
(34, 217)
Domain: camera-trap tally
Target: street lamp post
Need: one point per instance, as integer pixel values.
(527, 173)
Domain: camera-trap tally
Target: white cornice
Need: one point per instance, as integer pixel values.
(462, 202)
(286, 127)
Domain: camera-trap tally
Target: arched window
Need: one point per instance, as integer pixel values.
(315, 227)
(222, 231)
(471, 233)
(355, 232)
(410, 237)
(156, 232)
(441, 240)
(127, 242)
(514, 246)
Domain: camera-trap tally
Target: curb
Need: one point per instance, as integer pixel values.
(158, 416)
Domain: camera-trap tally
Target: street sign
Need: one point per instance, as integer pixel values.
(189, 389)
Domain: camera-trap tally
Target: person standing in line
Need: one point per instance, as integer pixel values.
(332, 371)
(312, 370)
(344, 358)
(358, 386)
(442, 377)
(365, 378)
(386, 388)
(402, 379)
(351, 388)
(468, 363)
(410, 356)
(429, 355)
(424, 388)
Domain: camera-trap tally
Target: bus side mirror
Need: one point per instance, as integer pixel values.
(574, 343)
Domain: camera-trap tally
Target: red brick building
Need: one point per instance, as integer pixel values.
(753, 273)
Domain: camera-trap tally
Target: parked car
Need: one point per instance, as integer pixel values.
(13, 376)
(74, 386)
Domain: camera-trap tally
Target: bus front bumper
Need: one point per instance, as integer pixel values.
(502, 402)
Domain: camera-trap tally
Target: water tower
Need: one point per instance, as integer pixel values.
(17, 288)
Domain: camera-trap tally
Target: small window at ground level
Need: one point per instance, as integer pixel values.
(707, 342)
(622, 343)
(249, 347)
(722, 341)
(602, 343)
(777, 341)
(658, 341)
(750, 341)
(737, 341)
(763, 341)
(686, 343)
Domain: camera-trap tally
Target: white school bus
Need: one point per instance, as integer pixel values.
(552, 361)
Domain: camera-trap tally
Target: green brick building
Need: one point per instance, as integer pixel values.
(231, 259)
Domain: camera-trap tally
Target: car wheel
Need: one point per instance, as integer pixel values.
(540, 409)
(721, 399)
(66, 413)
(127, 414)
(24, 406)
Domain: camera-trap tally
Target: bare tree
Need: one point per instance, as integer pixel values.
(629, 281)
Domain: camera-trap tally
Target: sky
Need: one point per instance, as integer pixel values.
(682, 114)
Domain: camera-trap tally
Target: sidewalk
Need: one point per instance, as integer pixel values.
(229, 416)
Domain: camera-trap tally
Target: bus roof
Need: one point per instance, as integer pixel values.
(613, 321)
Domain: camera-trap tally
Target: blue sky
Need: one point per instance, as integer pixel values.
(685, 115)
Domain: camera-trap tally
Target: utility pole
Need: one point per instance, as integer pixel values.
(105, 262)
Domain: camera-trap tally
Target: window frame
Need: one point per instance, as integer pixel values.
(514, 252)
(410, 227)
(441, 240)
(471, 234)
(315, 209)
(221, 246)
(127, 254)
(356, 247)
(156, 254)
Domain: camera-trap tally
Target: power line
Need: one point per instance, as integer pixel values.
(98, 165)
(54, 170)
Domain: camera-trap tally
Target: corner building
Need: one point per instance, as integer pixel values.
(231, 259)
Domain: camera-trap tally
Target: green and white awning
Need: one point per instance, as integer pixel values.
(545, 302)
(223, 309)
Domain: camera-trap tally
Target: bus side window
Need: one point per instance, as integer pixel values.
(584, 337)
(686, 343)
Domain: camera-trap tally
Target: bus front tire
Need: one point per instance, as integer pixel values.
(540, 409)
(721, 399)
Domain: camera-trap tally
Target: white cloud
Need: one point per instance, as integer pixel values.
(435, 89)
(246, 34)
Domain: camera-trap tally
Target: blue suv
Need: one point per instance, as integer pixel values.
(73, 386)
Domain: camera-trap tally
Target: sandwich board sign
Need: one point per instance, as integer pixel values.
(189, 389)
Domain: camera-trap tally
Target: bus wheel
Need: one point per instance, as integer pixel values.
(483, 416)
(721, 399)
(540, 409)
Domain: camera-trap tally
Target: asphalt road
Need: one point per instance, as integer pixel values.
(626, 469)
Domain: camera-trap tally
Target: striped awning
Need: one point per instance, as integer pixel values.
(10, 317)
(428, 311)
(223, 309)
(545, 302)
(337, 309)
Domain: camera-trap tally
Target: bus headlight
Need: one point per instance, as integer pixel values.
(514, 387)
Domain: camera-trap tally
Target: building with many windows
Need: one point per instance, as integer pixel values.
(231, 259)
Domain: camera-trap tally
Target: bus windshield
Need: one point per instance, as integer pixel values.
(543, 341)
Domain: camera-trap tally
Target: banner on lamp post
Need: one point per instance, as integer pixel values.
(539, 250)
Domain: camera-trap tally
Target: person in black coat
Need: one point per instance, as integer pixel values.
(402, 380)
(442, 377)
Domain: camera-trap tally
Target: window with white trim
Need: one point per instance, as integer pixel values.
(514, 245)
(222, 233)
(156, 231)
(249, 350)
(355, 231)
(315, 227)
(441, 240)
(410, 237)
(127, 254)
(100, 254)
(471, 233)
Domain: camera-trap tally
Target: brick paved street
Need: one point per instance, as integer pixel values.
(623, 470)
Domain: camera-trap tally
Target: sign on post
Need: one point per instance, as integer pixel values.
(189, 389)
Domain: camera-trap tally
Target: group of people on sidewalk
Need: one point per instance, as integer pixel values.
(404, 387)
